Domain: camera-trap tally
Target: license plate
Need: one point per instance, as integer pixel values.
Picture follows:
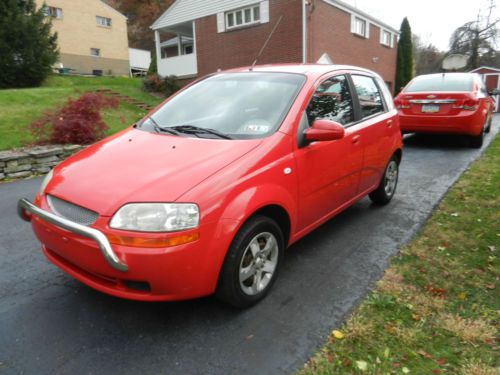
(430, 108)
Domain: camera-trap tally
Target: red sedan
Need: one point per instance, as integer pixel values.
(204, 194)
(447, 103)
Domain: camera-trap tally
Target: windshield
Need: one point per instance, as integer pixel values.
(230, 106)
(440, 83)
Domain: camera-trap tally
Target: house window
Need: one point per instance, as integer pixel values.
(360, 26)
(103, 21)
(188, 49)
(96, 52)
(53, 12)
(242, 17)
(386, 38)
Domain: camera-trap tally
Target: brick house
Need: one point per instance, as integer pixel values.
(197, 37)
(491, 77)
(92, 36)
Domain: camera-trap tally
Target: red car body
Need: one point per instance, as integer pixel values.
(229, 180)
(427, 105)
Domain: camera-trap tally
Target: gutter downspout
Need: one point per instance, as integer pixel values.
(304, 31)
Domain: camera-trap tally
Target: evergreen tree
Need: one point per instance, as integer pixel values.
(404, 68)
(153, 67)
(28, 48)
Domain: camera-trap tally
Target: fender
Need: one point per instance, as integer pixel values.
(258, 197)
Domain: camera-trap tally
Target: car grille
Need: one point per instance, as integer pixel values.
(71, 211)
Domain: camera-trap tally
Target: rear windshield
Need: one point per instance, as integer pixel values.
(441, 82)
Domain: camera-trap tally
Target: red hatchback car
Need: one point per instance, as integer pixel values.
(456, 103)
(205, 193)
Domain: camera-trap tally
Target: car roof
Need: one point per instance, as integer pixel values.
(312, 70)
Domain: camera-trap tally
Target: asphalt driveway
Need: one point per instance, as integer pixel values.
(52, 324)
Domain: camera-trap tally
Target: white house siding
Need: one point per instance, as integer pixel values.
(188, 10)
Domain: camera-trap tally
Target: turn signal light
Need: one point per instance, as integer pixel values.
(153, 242)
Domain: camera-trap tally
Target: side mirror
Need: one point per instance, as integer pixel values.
(324, 130)
(494, 92)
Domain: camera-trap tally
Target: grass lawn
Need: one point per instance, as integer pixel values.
(437, 308)
(19, 107)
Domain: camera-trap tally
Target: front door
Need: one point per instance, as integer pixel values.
(328, 171)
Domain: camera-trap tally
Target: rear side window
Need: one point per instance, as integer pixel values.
(332, 101)
(370, 98)
(441, 83)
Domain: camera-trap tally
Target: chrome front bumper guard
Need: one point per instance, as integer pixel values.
(24, 206)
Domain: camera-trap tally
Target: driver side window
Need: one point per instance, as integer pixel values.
(332, 101)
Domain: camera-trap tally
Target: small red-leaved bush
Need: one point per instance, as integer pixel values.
(78, 122)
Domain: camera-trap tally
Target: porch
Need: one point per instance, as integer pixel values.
(177, 55)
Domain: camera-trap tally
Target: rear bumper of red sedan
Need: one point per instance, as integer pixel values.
(146, 274)
(467, 122)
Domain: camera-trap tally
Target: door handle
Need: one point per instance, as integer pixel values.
(356, 138)
(389, 124)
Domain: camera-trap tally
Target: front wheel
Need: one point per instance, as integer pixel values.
(252, 263)
(387, 187)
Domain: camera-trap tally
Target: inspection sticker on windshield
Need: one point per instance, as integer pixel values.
(257, 128)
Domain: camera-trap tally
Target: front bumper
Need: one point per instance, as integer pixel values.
(153, 274)
(26, 209)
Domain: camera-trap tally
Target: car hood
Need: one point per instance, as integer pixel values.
(137, 166)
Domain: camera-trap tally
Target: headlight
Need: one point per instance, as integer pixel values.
(46, 181)
(156, 217)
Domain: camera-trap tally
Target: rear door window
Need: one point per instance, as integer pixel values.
(369, 95)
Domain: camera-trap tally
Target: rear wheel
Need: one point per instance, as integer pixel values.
(476, 141)
(488, 129)
(387, 187)
(252, 263)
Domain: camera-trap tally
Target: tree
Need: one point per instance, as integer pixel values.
(477, 39)
(153, 67)
(28, 48)
(428, 58)
(141, 15)
(404, 67)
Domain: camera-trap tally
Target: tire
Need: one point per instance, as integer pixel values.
(383, 194)
(488, 129)
(476, 141)
(249, 269)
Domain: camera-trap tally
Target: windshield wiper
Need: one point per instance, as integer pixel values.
(159, 129)
(190, 129)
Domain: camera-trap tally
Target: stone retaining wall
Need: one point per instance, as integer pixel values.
(33, 161)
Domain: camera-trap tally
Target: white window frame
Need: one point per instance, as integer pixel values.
(98, 54)
(354, 26)
(383, 33)
(244, 23)
(53, 12)
(103, 21)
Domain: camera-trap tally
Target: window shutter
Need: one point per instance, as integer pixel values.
(382, 31)
(392, 40)
(264, 11)
(353, 23)
(367, 35)
(221, 22)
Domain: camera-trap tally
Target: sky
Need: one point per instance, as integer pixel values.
(433, 20)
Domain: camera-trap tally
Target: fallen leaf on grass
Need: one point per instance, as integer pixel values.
(362, 365)
(461, 296)
(436, 371)
(416, 317)
(424, 354)
(406, 370)
(438, 292)
(441, 361)
(454, 214)
(338, 335)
